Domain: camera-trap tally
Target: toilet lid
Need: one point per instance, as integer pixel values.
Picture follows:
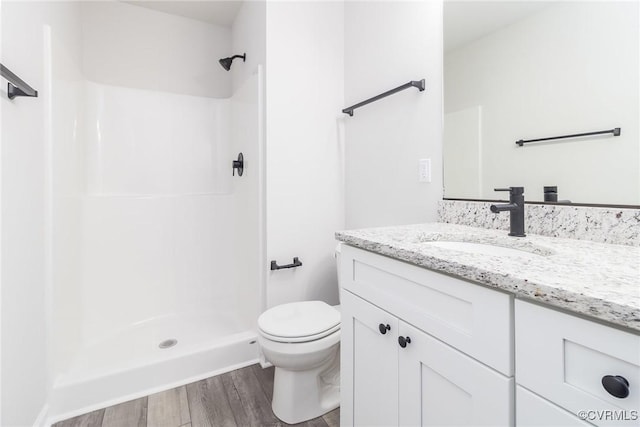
(299, 321)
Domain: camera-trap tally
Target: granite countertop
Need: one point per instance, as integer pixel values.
(597, 280)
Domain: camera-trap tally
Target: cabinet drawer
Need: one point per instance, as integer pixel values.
(467, 316)
(534, 411)
(563, 358)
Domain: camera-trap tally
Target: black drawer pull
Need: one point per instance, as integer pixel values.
(384, 328)
(616, 386)
(403, 341)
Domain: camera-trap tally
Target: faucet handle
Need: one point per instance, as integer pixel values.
(512, 190)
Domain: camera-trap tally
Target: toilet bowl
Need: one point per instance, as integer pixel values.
(302, 341)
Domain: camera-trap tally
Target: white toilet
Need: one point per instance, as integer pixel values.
(302, 341)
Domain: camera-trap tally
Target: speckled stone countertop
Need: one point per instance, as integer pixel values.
(598, 280)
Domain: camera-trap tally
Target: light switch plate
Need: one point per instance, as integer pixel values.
(424, 170)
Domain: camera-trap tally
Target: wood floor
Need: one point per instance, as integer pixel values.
(237, 398)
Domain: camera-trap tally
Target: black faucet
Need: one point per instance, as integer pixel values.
(515, 208)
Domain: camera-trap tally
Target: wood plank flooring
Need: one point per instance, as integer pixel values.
(237, 398)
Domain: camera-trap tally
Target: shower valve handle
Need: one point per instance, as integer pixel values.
(238, 164)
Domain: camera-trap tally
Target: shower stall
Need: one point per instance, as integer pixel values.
(157, 249)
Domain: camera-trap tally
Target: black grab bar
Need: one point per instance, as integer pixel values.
(420, 84)
(615, 132)
(16, 86)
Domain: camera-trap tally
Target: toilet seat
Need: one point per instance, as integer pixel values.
(303, 339)
(299, 322)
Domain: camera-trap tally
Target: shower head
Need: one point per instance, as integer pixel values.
(226, 62)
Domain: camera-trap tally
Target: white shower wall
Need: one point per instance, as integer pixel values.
(247, 136)
(157, 210)
(155, 143)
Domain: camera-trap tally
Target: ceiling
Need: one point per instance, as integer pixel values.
(465, 21)
(218, 12)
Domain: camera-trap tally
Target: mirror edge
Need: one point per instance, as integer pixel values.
(589, 205)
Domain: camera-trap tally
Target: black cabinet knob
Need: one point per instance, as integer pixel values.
(403, 341)
(616, 385)
(384, 328)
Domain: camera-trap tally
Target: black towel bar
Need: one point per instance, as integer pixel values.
(615, 132)
(16, 86)
(420, 84)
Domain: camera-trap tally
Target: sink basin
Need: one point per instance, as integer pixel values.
(484, 249)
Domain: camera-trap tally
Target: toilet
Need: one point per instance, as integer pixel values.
(302, 341)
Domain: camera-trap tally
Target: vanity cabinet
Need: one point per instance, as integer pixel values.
(413, 351)
(425, 348)
(564, 358)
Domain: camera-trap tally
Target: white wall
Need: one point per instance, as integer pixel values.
(30, 130)
(131, 46)
(388, 44)
(304, 181)
(572, 67)
(248, 35)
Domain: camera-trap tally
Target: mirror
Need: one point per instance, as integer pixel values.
(523, 70)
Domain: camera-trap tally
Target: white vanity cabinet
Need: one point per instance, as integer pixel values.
(422, 348)
(456, 362)
(563, 359)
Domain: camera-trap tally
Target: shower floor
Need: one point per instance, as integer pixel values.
(238, 398)
(138, 344)
(130, 362)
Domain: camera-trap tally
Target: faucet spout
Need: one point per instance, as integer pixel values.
(503, 207)
(515, 207)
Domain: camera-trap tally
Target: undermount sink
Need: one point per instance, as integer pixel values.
(484, 249)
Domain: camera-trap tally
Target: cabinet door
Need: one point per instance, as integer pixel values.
(369, 364)
(439, 386)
